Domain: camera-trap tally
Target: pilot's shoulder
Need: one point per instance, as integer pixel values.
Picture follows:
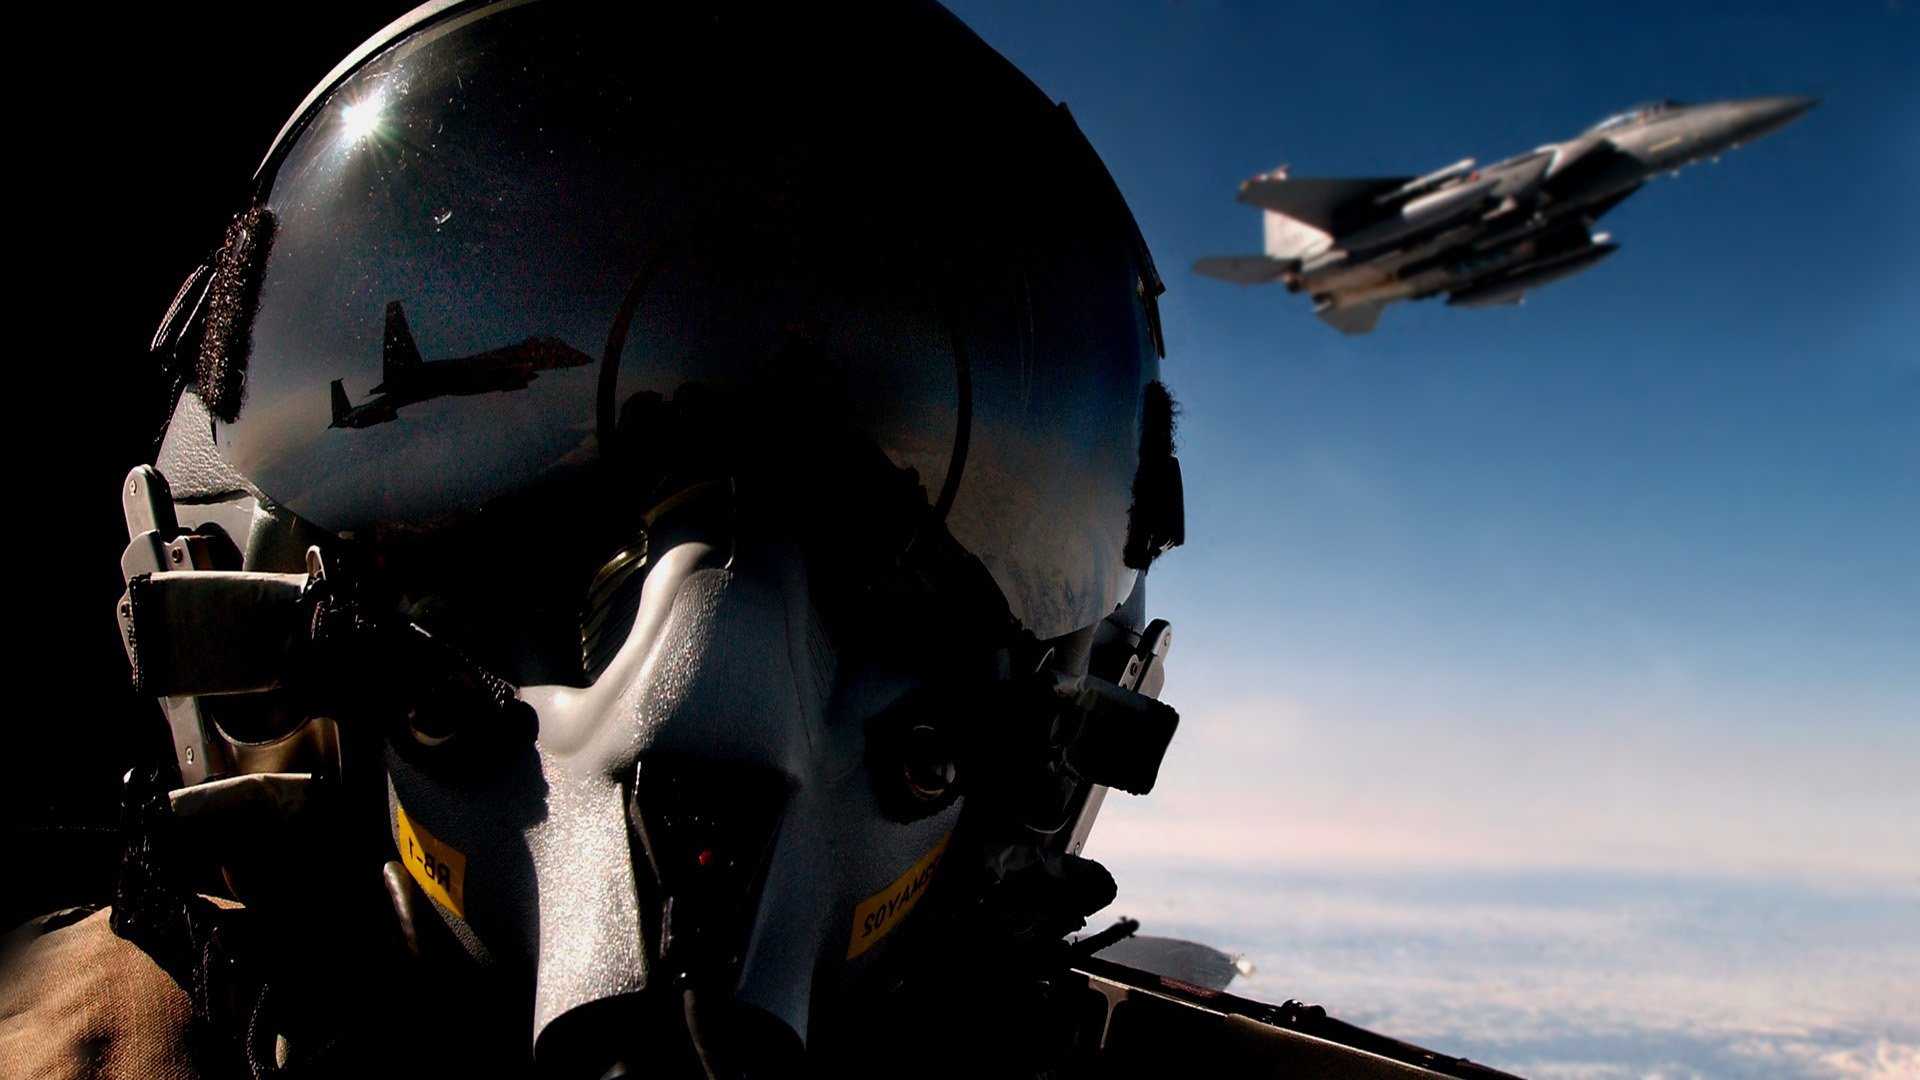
(78, 1000)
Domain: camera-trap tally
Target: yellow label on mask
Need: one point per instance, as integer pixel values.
(878, 914)
(436, 865)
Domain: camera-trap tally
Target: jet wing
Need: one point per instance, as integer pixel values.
(1188, 962)
(1320, 203)
(1145, 1024)
(1243, 269)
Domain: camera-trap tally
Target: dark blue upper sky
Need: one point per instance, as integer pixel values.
(1627, 553)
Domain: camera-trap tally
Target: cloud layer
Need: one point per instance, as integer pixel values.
(1590, 976)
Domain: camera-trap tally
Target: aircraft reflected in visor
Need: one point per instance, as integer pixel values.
(406, 379)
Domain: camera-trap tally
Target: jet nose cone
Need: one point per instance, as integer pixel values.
(1755, 117)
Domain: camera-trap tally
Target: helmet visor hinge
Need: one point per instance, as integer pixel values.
(190, 633)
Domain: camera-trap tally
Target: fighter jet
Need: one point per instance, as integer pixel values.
(1483, 235)
(405, 379)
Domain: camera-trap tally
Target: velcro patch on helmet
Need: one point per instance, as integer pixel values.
(220, 374)
(1158, 520)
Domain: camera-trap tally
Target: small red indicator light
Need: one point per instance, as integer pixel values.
(706, 858)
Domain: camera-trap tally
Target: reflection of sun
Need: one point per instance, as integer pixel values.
(360, 119)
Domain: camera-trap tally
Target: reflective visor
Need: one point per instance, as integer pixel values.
(510, 242)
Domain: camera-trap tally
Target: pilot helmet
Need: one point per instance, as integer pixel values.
(701, 464)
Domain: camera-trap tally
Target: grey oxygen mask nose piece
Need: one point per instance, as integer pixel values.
(696, 827)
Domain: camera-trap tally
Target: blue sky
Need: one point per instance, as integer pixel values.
(1627, 578)
(1550, 677)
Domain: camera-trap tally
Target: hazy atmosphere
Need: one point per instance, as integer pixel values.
(1549, 675)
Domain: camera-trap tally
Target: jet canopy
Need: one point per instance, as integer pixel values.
(1638, 113)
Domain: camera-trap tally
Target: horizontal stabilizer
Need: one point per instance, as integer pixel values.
(1243, 269)
(1355, 319)
(1318, 203)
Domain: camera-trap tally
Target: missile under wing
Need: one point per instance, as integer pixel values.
(1483, 236)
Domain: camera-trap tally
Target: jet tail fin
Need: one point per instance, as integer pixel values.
(399, 355)
(1294, 240)
(342, 407)
(1243, 269)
